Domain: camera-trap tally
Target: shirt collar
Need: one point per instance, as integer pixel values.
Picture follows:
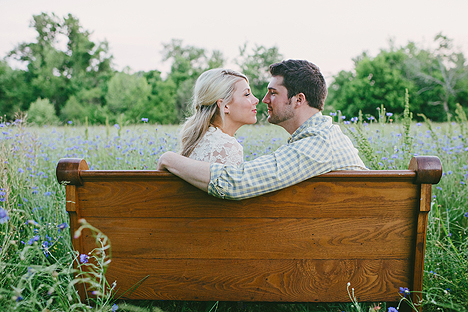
(311, 122)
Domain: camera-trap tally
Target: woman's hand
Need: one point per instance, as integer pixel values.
(193, 171)
(163, 160)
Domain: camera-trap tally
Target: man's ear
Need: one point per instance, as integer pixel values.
(300, 99)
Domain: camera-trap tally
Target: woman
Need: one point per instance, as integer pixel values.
(222, 103)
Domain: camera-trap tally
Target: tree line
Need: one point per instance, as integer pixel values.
(68, 77)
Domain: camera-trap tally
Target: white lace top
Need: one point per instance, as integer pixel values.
(218, 147)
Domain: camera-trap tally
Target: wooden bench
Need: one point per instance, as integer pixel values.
(300, 244)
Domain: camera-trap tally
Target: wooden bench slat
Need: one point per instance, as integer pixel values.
(267, 280)
(216, 238)
(309, 199)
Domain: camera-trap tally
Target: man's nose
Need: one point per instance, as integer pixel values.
(266, 99)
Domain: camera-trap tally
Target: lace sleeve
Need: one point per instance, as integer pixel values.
(230, 153)
(218, 147)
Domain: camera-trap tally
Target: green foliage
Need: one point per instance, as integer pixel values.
(42, 112)
(129, 95)
(55, 72)
(435, 80)
(374, 82)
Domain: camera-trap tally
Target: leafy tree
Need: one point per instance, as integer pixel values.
(42, 112)
(255, 64)
(161, 105)
(128, 95)
(188, 62)
(374, 82)
(14, 91)
(55, 72)
(442, 73)
(86, 103)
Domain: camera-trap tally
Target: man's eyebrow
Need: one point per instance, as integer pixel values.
(271, 88)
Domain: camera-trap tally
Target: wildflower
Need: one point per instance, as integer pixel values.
(354, 119)
(404, 291)
(47, 193)
(84, 258)
(114, 307)
(392, 309)
(33, 239)
(332, 114)
(19, 298)
(62, 226)
(117, 126)
(419, 124)
(389, 114)
(20, 170)
(144, 119)
(466, 214)
(343, 117)
(69, 122)
(3, 216)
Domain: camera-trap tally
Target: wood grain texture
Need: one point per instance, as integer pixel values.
(259, 238)
(300, 244)
(266, 280)
(308, 199)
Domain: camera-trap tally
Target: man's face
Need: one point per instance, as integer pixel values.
(280, 109)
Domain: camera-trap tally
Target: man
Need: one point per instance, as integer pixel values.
(295, 99)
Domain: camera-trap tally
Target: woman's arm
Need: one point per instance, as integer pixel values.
(194, 172)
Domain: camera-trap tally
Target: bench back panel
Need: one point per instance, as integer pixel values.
(300, 244)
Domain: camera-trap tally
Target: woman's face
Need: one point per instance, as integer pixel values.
(243, 108)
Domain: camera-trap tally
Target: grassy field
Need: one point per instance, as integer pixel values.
(36, 257)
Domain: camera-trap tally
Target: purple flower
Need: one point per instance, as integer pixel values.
(3, 216)
(34, 239)
(117, 126)
(354, 119)
(404, 291)
(392, 309)
(466, 214)
(62, 226)
(389, 114)
(69, 122)
(114, 307)
(144, 119)
(47, 193)
(20, 170)
(84, 258)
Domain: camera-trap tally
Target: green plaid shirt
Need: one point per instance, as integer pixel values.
(316, 147)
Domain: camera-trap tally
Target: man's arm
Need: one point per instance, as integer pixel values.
(193, 171)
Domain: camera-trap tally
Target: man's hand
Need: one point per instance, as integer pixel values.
(193, 171)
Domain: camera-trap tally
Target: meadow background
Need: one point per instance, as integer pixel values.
(68, 100)
(36, 256)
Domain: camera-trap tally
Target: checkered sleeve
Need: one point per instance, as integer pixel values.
(290, 164)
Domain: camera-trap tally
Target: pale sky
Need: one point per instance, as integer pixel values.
(327, 33)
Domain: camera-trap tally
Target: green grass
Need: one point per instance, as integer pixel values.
(36, 256)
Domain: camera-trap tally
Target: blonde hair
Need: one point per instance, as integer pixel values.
(212, 85)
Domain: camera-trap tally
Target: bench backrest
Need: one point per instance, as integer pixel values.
(300, 244)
